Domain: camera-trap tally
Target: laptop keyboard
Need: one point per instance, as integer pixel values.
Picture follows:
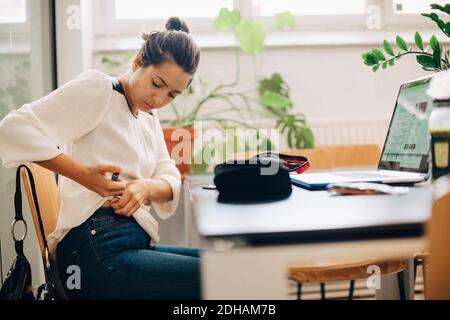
(363, 175)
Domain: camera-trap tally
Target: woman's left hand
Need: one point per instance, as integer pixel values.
(135, 194)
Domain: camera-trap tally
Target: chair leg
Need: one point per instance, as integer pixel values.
(322, 290)
(401, 286)
(351, 290)
(299, 291)
(418, 261)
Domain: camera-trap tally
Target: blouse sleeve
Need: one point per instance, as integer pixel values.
(167, 171)
(36, 130)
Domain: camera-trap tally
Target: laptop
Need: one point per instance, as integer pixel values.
(405, 155)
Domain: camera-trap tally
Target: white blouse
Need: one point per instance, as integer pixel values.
(92, 124)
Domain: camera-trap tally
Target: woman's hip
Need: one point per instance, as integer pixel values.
(104, 235)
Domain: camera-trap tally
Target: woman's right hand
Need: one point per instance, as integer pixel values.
(94, 179)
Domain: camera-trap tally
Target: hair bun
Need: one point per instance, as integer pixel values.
(145, 36)
(177, 24)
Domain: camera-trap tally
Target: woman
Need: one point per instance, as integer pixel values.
(107, 126)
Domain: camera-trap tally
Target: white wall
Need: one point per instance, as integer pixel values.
(330, 84)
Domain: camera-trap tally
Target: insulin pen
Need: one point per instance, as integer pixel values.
(115, 177)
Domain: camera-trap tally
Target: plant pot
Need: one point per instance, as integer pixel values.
(188, 142)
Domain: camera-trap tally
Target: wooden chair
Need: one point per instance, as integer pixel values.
(366, 155)
(48, 200)
(437, 263)
(342, 272)
(334, 157)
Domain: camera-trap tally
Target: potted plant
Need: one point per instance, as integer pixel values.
(240, 105)
(432, 58)
(272, 91)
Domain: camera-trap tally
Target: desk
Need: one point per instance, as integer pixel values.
(259, 272)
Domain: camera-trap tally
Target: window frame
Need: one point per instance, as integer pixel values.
(19, 28)
(19, 32)
(405, 21)
(106, 10)
(390, 22)
(323, 22)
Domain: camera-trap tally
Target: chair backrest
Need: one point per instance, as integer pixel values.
(333, 156)
(48, 198)
(437, 277)
(341, 156)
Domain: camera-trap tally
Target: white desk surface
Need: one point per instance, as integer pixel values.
(307, 211)
(261, 272)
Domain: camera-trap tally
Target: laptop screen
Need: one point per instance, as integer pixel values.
(407, 143)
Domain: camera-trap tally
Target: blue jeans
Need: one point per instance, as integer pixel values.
(116, 261)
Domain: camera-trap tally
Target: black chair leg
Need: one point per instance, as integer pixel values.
(322, 290)
(401, 286)
(351, 290)
(299, 291)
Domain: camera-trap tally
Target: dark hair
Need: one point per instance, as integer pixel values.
(174, 43)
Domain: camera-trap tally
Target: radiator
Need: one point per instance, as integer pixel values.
(349, 130)
(343, 130)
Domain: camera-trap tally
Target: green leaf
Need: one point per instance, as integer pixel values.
(434, 17)
(378, 54)
(290, 138)
(391, 62)
(375, 68)
(369, 59)
(251, 36)
(227, 19)
(275, 100)
(107, 60)
(447, 27)
(385, 64)
(418, 40)
(388, 48)
(425, 61)
(284, 19)
(401, 43)
(445, 9)
(275, 84)
(446, 57)
(304, 138)
(437, 52)
(433, 42)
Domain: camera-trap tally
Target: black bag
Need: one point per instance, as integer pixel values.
(263, 178)
(17, 284)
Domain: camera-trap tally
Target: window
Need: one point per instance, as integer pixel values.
(310, 7)
(145, 9)
(127, 17)
(414, 6)
(119, 21)
(13, 11)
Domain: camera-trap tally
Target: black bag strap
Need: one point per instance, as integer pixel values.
(18, 209)
(53, 286)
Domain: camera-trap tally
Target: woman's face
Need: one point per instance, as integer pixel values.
(156, 86)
